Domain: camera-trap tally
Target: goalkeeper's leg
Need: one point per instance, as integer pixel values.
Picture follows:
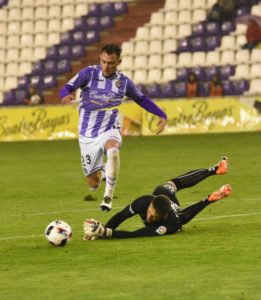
(193, 177)
(190, 212)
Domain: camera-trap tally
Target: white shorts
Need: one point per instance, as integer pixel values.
(93, 149)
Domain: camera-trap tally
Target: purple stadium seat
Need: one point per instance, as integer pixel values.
(52, 53)
(180, 89)
(107, 8)
(67, 38)
(38, 68)
(199, 71)
(182, 74)
(212, 29)
(19, 96)
(167, 90)
(227, 27)
(50, 67)
(23, 82)
(78, 51)
(226, 71)
(48, 81)
(63, 66)
(183, 45)
(92, 36)
(80, 23)
(210, 72)
(106, 22)
(65, 51)
(79, 38)
(153, 90)
(92, 22)
(228, 87)
(212, 42)
(240, 86)
(36, 80)
(203, 89)
(94, 9)
(9, 98)
(198, 29)
(120, 8)
(85, 38)
(197, 43)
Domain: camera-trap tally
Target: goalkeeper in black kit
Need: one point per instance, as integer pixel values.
(160, 212)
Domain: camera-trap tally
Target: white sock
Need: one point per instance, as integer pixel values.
(112, 171)
(103, 172)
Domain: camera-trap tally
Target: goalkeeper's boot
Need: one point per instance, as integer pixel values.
(106, 204)
(222, 166)
(223, 192)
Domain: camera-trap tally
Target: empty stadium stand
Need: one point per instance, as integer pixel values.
(45, 42)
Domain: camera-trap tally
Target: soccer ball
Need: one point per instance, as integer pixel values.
(58, 233)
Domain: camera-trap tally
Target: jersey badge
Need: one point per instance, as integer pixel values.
(161, 230)
(118, 83)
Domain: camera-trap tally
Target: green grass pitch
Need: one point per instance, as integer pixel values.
(217, 256)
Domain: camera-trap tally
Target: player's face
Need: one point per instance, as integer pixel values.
(109, 63)
(152, 215)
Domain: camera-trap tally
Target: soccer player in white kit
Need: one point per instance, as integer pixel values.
(103, 88)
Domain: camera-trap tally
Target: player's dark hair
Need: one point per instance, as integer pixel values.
(111, 48)
(161, 203)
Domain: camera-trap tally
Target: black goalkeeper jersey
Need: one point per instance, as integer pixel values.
(139, 206)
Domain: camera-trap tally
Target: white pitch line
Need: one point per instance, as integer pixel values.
(228, 216)
(76, 211)
(198, 219)
(245, 200)
(53, 212)
(250, 199)
(21, 237)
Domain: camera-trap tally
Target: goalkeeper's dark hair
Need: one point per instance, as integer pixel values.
(111, 48)
(162, 205)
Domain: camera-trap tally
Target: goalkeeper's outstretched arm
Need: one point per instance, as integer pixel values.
(142, 232)
(120, 217)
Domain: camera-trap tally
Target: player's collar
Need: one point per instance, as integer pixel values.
(115, 75)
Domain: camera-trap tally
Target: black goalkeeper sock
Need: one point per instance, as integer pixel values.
(192, 178)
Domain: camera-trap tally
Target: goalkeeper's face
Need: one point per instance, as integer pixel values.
(153, 215)
(109, 63)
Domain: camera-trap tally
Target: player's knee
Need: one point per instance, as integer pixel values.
(167, 187)
(171, 186)
(113, 153)
(94, 182)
